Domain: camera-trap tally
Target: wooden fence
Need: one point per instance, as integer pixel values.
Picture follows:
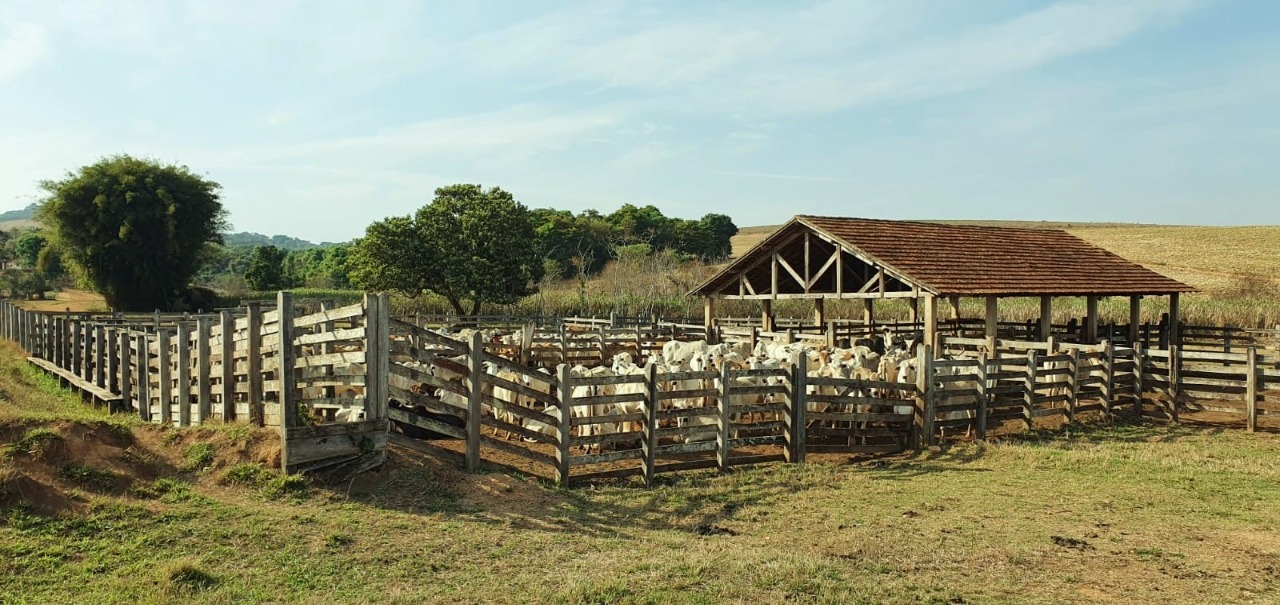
(189, 370)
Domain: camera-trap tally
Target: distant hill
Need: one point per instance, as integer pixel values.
(25, 214)
(283, 242)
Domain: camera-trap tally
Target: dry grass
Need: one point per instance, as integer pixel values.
(77, 301)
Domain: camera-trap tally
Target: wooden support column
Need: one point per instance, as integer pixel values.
(992, 326)
(143, 362)
(766, 316)
(955, 306)
(1135, 316)
(125, 342)
(475, 390)
(253, 364)
(227, 330)
(722, 425)
(819, 312)
(204, 391)
(708, 318)
(1175, 336)
(649, 441)
(287, 374)
(184, 374)
(1251, 391)
(930, 320)
(1046, 317)
(564, 382)
(797, 400)
(165, 378)
(1091, 319)
(868, 313)
(913, 312)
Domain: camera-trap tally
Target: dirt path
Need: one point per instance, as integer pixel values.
(77, 301)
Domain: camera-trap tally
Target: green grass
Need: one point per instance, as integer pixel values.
(197, 456)
(1133, 513)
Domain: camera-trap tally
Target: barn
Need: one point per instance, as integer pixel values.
(830, 258)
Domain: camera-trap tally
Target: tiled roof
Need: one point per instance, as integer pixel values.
(971, 260)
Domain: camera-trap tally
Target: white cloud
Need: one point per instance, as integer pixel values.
(21, 46)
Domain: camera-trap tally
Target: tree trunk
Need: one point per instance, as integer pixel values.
(457, 306)
(475, 306)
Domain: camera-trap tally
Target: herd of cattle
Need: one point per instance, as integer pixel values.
(889, 361)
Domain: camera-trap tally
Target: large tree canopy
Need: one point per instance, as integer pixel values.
(135, 228)
(468, 244)
(266, 270)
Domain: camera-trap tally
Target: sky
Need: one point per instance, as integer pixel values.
(318, 118)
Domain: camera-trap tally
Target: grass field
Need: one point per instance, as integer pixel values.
(100, 510)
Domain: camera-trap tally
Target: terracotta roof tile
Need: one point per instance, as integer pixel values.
(972, 260)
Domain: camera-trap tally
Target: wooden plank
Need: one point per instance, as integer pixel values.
(347, 312)
(166, 385)
(253, 365)
(1251, 391)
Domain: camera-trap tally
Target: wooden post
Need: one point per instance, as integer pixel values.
(144, 377)
(475, 392)
(1046, 317)
(227, 330)
(287, 374)
(1135, 316)
(77, 352)
(204, 391)
(766, 315)
(925, 402)
(708, 318)
(1175, 377)
(830, 333)
(184, 374)
(1175, 333)
(798, 399)
(253, 363)
(378, 355)
(868, 314)
(166, 387)
(99, 356)
(754, 337)
(913, 312)
(1091, 319)
(564, 409)
(1139, 366)
(722, 434)
(1029, 398)
(931, 320)
(992, 317)
(113, 360)
(1251, 391)
(126, 369)
(1073, 384)
(820, 312)
(1109, 380)
(984, 397)
(649, 442)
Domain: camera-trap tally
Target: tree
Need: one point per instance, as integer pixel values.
(266, 270)
(136, 229)
(468, 244)
(28, 248)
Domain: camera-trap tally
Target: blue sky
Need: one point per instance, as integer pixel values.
(319, 118)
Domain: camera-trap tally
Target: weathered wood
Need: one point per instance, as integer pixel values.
(1251, 391)
(183, 394)
(475, 395)
(99, 356)
(1030, 386)
(1175, 366)
(166, 384)
(287, 375)
(650, 427)
(564, 405)
(797, 403)
(253, 357)
(722, 432)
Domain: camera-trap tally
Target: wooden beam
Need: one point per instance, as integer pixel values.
(708, 316)
(794, 274)
(1135, 317)
(993, 304)
(868, 311)
(839, 269)
(881, 287)
(812, 295)
(773, 277)
(955, 306)
(746, 281)
(1091, 319)
(1175, 337)
(930, 320)
(819, 312)
(823, 270)
(871, 283)
(766, 315)
(807, 275)
(1046, 317)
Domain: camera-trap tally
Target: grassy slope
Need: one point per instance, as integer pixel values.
(1161, 514)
